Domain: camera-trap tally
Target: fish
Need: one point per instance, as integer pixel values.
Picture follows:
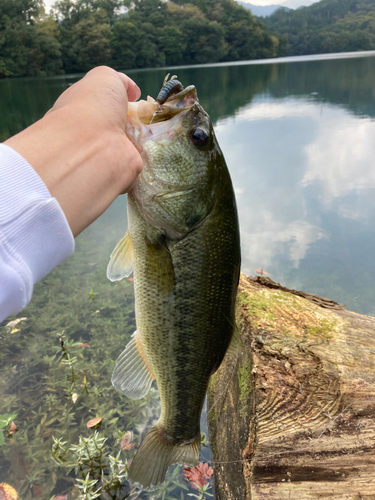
(183, 247)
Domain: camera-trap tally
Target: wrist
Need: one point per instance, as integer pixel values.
(72, 158)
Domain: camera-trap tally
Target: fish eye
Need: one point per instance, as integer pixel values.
(199, 136)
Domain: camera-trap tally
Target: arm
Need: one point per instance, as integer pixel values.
(60, 174)
(80, 149)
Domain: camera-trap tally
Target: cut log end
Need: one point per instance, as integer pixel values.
(294, 417)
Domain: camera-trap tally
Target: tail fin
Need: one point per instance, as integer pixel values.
(156, 454)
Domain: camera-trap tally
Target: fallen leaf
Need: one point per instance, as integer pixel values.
(12, 428)
(94, 423)
(14, 323)
(260, 271)
(38, 491)
(199, 474)
(7, 492)
(74, 397)
(82, 345)
(129, 446)
(47, 432)
(126, 438)
(126, 443)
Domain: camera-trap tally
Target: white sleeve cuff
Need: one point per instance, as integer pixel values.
(34, 233)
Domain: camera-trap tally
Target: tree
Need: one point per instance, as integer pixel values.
(171, 43)
(125, 43)
(29, 42)
(327, 26)
(47, 41)
(92, 38)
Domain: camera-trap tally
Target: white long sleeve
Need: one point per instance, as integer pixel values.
(34, 233)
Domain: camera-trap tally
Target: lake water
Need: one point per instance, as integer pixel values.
(298, 137)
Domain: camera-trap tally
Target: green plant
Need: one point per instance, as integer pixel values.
(86, 487)
(5, 421)
(100, 472)
(204, 441)
(165, 490)
(202, 491)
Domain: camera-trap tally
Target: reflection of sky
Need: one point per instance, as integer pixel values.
(302, 171)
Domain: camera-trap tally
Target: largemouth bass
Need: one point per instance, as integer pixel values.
(182, 245)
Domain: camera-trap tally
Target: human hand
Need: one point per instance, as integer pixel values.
(80, 149)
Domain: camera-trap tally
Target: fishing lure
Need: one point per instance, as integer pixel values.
(168, 89)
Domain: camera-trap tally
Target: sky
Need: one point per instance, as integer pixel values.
(294, 3)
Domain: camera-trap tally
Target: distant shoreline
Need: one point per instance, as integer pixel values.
(278, 60)
(286, 59)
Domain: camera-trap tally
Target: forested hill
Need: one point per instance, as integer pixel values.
(327, 26)
(124, 34)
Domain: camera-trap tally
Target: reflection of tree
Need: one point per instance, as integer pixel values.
(345, 82)
(222, 90)
(24, 101)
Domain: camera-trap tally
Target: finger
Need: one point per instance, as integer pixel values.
(132, 89)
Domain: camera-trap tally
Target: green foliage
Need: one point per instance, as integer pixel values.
(78, 35)
(169, 489)
(29, 40)
(5, 421)
(202, 491)
(97, 471)
(327, 26)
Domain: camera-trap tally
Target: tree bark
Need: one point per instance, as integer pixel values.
(292, 414)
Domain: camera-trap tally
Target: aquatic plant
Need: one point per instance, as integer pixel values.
(55, 373)
(100, 472)
(6, 424)
(202, 491)
(169, 489)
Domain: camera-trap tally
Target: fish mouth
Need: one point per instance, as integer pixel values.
(150, 112)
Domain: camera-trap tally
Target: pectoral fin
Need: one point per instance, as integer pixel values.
(132, 374)
(121, 261)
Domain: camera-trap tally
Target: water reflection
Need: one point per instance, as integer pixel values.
(296, 164)
(298, 139)
(346, 83)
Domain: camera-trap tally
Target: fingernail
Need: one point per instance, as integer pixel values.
(138, 93)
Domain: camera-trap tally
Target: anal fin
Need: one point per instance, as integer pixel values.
(132, 375)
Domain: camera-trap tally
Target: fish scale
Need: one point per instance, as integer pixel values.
(184, 237)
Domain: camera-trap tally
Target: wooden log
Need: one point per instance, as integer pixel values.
(292, 416)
